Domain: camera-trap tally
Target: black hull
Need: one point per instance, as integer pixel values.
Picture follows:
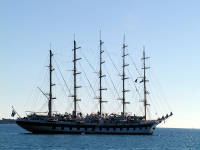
(37, 127)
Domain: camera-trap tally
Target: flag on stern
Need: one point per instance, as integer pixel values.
(13, 112)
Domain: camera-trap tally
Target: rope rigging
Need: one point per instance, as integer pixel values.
(112, 82)
(114, 87)
(134, 64)
(110, 58)
(88, 62)
(87, 80)
(156, 82)
(62, 76)
(134, 84)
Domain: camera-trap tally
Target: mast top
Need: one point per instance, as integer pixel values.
(124, 39)
(100, 35)
(74, 37)
(50, 46)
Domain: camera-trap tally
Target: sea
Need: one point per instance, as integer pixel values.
(13, 137)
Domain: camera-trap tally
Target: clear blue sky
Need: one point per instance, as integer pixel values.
(169, 29)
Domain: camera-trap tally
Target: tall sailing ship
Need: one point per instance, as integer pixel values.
(98, 123)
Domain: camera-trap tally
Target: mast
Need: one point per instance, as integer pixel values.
(50, 84)
(144, 83)
(124, 77)
(75, 84)
(101, 75)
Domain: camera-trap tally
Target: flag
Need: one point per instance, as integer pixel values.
(142, 81)
(13, 112)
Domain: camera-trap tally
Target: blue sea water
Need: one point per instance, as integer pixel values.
(14, 137)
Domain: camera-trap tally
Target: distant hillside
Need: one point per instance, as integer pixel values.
(7, 121)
